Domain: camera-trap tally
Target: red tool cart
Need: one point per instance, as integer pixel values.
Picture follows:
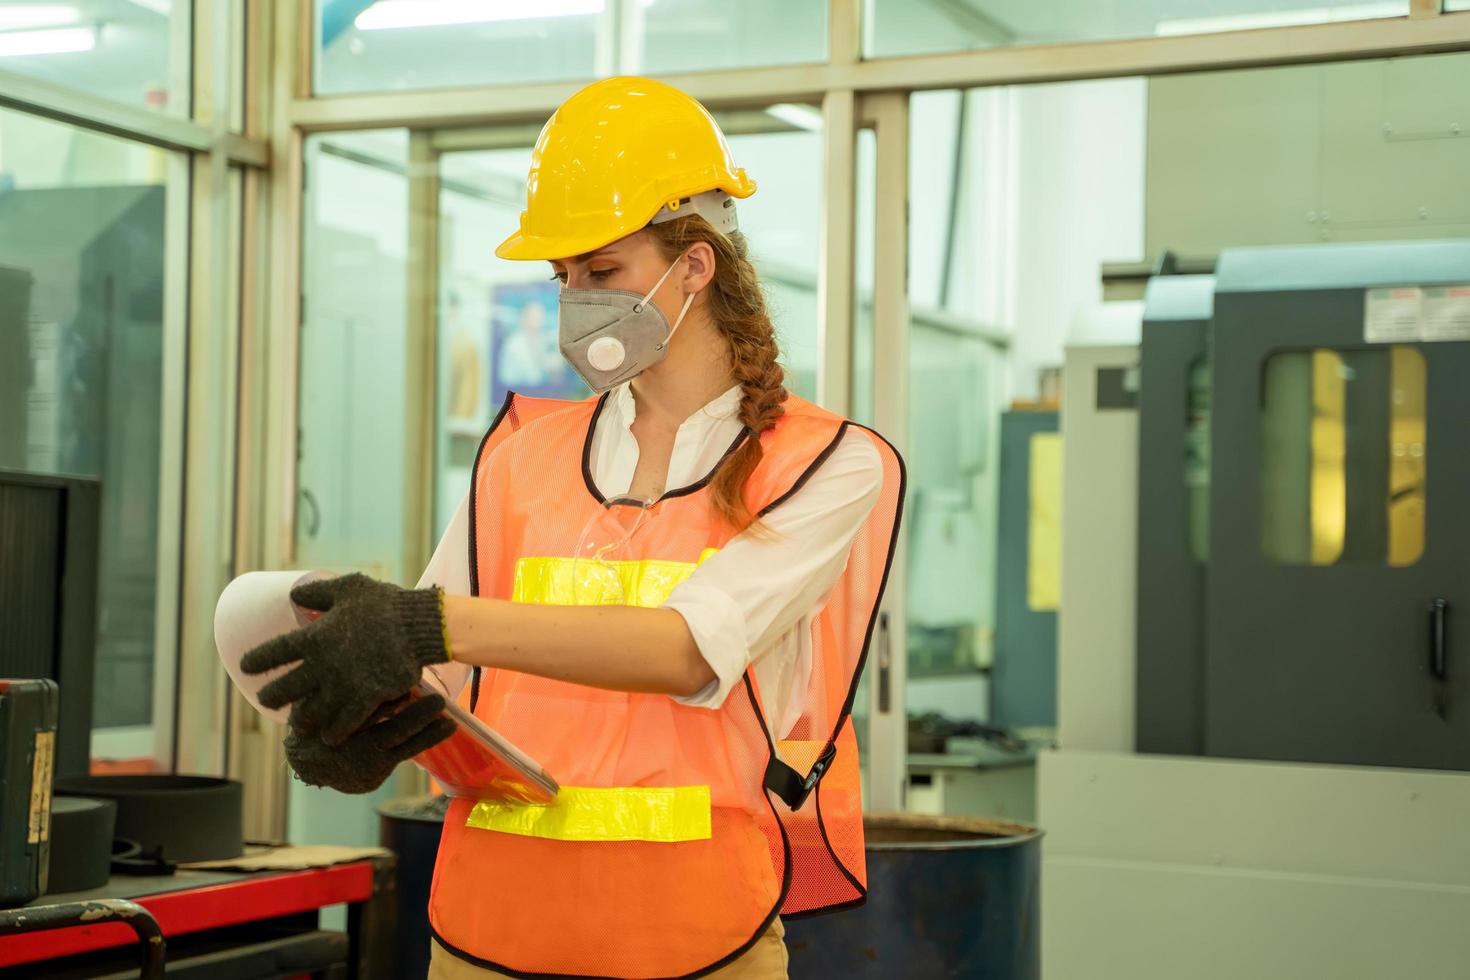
(209, 924)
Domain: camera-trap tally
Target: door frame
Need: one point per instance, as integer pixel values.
(887, 114)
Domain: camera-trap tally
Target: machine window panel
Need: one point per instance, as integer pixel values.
(1343, 450)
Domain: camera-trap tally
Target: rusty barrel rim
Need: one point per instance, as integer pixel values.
(968, 833)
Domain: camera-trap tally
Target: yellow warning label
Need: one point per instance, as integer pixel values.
(40, 829)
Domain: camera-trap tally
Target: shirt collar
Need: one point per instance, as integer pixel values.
(721, 408)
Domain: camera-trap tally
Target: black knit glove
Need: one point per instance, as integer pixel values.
(368, 757)
(370, 646)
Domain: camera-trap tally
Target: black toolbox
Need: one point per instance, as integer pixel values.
(28, 711)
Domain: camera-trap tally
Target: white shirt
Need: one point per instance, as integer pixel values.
(753, 601)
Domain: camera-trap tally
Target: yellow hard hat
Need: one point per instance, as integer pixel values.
(610, 158)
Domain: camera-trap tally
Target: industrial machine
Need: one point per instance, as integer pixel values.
(1264, 750)
(48, 596)
(1310, 569)
(1338, 525)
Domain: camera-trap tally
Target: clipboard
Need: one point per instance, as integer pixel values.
(479, 763)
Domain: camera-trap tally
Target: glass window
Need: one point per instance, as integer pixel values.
(421, 44)
(493, 311)
(1343, 453)
(490, 309)
(239, 26)
(904, 27)
(83, 221)
(353, 339)
(701, 35)
(400, 44)
(353, 391)
(865, 177)
(783, 224)
(952, 498)
(956, 377)
(134, 51)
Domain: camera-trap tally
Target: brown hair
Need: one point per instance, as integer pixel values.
(737, 308)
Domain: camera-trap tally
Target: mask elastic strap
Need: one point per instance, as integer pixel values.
(656, 286)
(688, 301)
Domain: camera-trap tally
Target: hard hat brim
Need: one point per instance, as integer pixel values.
(527, 248)
(521, 247)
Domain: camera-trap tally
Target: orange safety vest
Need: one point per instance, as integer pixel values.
(680, 832)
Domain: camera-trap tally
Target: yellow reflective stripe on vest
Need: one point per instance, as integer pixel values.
(569, 582)
(639, 813)
(663, 814)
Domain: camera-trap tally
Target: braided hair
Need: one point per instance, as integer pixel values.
(737, 308)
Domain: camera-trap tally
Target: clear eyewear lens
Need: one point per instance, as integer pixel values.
(601, 572)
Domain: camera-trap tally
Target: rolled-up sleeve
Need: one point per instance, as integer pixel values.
(449, 568)
(741, 603)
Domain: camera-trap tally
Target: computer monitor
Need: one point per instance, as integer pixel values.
(48, 596)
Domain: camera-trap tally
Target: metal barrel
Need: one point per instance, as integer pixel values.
(410, 828)
(947, 897)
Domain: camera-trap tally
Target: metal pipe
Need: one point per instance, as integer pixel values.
(40, 918)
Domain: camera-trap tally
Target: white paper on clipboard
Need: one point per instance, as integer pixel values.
(254, 608)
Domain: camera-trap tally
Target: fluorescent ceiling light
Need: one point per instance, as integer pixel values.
(1281, 18)
(20, 18)
(1240, 22)
(19, 44)
(393, 14)
(800, 116)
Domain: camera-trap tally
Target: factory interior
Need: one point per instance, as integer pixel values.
(1142, 654)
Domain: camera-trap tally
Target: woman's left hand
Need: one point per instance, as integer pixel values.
(366, 760)
(369, 647)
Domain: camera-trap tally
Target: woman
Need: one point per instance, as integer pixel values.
(671, 589)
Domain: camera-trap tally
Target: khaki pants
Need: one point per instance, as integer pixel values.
(766, 960)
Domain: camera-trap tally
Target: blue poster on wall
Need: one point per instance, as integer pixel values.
(523, 343)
